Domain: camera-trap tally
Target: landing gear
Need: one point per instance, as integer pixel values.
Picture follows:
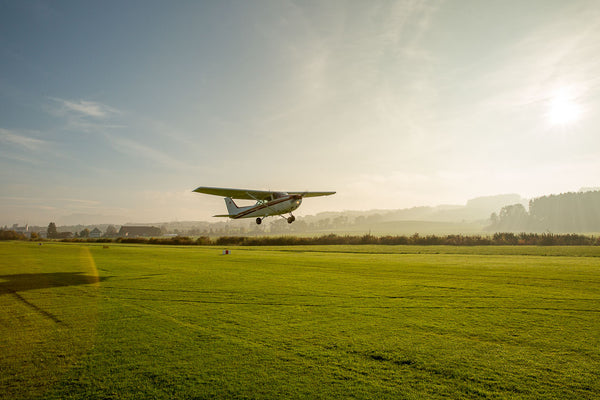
(291, 219)
(258, 221)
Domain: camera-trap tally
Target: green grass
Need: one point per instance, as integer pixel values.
(127, 322)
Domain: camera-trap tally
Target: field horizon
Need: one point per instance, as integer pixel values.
(124, 321)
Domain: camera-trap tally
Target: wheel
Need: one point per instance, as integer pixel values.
(290, 219)
(258, 221)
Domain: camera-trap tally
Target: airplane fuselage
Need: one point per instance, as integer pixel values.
(282, 205)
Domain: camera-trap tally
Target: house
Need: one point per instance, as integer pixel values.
(95, 233)
(139, 231)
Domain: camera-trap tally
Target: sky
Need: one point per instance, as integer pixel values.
(115, 111)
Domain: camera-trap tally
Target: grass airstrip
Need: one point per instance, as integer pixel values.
(319, 322)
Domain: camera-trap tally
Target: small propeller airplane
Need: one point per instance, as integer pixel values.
(268, 203)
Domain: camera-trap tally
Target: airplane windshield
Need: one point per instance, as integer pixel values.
(278, 195)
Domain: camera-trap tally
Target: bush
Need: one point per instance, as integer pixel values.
(11, 235)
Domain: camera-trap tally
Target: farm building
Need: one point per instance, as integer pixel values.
(95, 233)
(139, 231)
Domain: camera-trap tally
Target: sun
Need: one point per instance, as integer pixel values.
(563, 108)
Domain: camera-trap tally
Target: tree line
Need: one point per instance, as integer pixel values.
(497, 239)
(566, 212)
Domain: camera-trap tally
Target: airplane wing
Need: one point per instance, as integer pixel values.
(312, 194)
(247, 194)
(244, 194)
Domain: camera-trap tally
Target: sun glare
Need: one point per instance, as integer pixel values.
(563, 108)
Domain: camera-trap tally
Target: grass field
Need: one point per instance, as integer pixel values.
(401, 322)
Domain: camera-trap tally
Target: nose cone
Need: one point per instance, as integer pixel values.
(296, 201)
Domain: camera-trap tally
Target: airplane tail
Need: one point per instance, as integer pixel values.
(232, 208)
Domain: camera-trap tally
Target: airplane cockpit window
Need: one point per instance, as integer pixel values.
(278, 195)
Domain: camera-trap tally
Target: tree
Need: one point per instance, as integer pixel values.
(516, 216)
(52, 232)
(111, 231)
(494, 219)
(279, 226)
(84, 233)
(340, 221)
(512, 218)
(567, 212)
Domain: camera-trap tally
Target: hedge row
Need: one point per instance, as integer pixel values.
(498, 239)
(529, 239)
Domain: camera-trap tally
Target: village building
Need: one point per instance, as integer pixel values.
(95, 233)
(139, 231)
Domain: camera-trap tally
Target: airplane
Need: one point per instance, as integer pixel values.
(268, 203)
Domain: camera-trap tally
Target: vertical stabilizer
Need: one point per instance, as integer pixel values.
(232, 208)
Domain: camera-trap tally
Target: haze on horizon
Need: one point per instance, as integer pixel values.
(121, 109)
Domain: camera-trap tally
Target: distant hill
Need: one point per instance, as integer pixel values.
(477, 209)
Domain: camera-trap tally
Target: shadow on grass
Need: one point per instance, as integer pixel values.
(22, 282)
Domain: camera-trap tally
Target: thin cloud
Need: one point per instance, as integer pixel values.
(137, 150)
(15, 138)
(344, 69)
(46, 200)
(84, 108)
(85, 116)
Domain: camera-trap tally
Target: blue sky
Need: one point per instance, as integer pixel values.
(115, 111)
